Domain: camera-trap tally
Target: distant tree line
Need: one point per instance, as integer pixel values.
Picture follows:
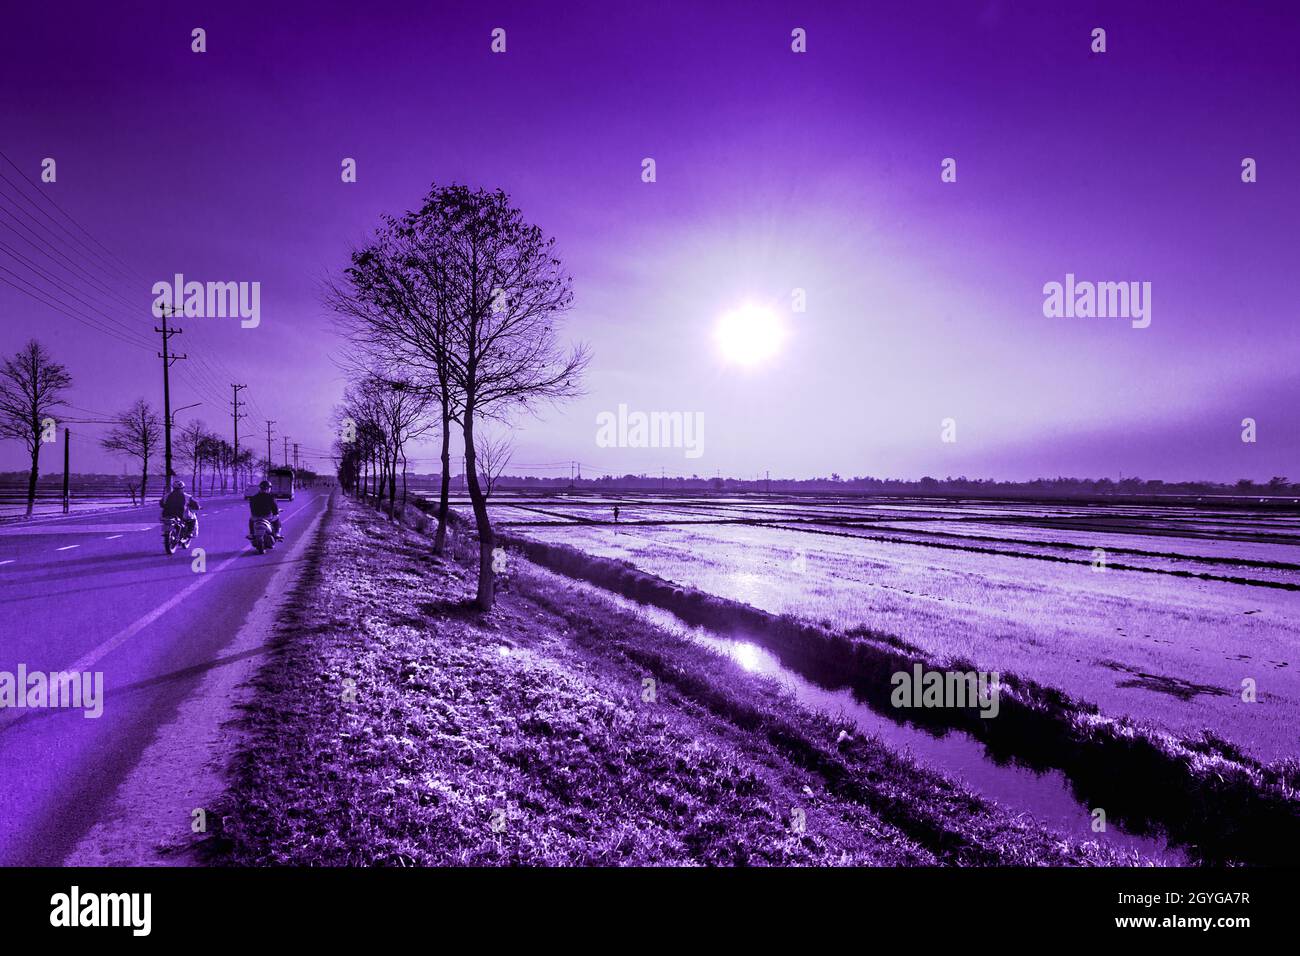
(204, 453)
(33, 388)
(1061, 486)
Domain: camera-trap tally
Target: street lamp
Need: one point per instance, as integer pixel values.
(181, 409)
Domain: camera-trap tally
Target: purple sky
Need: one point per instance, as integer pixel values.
(775, 170)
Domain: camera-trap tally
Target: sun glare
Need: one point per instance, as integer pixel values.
(749, 335)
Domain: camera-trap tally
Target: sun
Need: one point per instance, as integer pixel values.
(749, 335)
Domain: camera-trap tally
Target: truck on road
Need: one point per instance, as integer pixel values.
(282, 482)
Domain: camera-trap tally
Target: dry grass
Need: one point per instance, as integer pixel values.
(522, 737)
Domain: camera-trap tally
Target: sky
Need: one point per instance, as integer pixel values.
(774, 171)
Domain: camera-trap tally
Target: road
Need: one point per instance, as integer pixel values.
(97, 593)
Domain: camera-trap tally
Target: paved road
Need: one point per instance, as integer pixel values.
(97, 593)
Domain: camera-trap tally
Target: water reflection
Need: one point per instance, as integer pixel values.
(1045, 797)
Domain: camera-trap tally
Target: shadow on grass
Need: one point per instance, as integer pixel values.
(462, 608)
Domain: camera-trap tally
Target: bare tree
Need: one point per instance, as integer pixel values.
(347, 450)
(503, 287)
(464, 294)
(136, 432)
(349, 468)
(209, 451)
(386, 414)
(494, 455)
(245, 467)
(405, 410)
(366, 423)
(190, 450)
(31, 385)
(393, 305)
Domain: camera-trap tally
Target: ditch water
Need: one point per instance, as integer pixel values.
(1044, 796)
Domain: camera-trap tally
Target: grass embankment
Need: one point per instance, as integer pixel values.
(396, 726)
(1221, 804)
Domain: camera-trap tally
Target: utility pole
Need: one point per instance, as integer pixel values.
(167, 360)
(234, 465)
(67, 437)
(286, 451)
(295, 456)
(268, 446)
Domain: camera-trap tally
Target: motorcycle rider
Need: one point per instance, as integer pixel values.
(263, 505)
(177, 504)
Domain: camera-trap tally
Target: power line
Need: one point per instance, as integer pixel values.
(79, 408)
(42, 246)
(44, 195)
(41, 296)
(18, 257)
(103, 263)
(205, 380)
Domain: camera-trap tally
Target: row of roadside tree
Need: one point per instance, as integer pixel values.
(34, 404)
(450, 314)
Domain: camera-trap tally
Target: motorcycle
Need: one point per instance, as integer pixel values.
(262, 535)
(176, 533)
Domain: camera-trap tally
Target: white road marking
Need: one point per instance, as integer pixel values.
(10, 561)
(68, 547)
(112, 536)
(135, 627)
(67, 530)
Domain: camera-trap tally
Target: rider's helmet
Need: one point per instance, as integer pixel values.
(178, 485)
(264, 486)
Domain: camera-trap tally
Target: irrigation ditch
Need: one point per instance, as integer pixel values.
(1219, 805)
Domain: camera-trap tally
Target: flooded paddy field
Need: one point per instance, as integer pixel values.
(1179, 622)
(1157, 613)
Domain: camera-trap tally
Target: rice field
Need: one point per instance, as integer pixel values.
(1158, 614)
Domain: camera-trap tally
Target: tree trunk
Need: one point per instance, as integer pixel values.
(392, 487)
(144, 479)
(486, 540)
(31, 478)
(444, 492)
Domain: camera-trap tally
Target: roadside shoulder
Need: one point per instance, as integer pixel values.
(162, 809)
